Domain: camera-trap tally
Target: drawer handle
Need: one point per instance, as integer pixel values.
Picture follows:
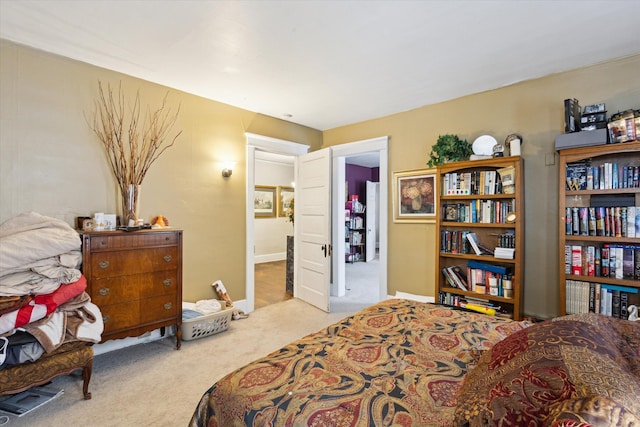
(168, 306)
(104, 292)
(106, 318)
(167, 282)
(167, 238)
(168, 258)
(104, 264)
(103, 243)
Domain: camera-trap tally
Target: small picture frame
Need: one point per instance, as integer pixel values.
(264, 201)
(414, 196)
(285, 196)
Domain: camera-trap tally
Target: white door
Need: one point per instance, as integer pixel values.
(371, 219)
(313, 228)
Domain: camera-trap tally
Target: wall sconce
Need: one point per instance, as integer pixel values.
(227, 169)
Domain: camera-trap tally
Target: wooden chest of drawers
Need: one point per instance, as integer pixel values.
(136, 280)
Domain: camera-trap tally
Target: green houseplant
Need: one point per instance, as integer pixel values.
(449, 148)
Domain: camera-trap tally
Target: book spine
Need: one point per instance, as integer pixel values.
(605, 260)
(624, 305)
(615, 304)
(576, 260)
(592, 221)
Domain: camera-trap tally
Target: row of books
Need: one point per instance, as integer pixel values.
(355, 238)
(582, 176)
(606, 260)
(356, 222)
(614, 221)
(481, 278)
(479, 211)
(476, 182)
(611, 300)
(475, 304)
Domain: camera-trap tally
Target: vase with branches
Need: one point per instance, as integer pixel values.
(132, 145)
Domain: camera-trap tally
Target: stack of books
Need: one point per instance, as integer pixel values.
(504, 253)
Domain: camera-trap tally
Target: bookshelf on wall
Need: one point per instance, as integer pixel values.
(599, 229)
(484, 200)
(355, 232)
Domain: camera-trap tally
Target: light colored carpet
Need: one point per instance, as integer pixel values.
(154, 385)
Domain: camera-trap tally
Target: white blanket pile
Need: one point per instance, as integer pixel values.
(38, 254)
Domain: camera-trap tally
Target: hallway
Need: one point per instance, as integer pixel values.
(270, 283)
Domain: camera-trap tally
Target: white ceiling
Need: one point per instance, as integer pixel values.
(329, 63)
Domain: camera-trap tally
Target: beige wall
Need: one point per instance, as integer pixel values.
(533, 109)
(51, 162)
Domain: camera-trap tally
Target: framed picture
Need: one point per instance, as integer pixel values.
(285, 196)
(264, 201)
(414, 196)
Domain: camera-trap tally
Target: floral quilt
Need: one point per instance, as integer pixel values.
(397, 363)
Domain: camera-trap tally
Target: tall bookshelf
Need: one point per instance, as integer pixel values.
(475, 198)
(593, 199)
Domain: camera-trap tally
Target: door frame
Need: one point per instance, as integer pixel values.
(272, 145)
(340, 151)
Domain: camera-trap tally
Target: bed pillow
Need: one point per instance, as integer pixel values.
(555, 372)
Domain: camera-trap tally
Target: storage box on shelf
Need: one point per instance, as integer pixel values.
(480, 252)
(599, 229)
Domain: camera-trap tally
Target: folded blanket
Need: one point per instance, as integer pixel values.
(30, 237)
(77, 320)
(41, 306)
(37, 254)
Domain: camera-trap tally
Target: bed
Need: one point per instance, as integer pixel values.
(406, 363)
(398, 362)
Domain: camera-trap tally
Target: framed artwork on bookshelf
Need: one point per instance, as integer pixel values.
(285, 196)
(264, 201)
(414, 196)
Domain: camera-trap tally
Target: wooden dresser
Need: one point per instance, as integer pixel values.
(136, 280)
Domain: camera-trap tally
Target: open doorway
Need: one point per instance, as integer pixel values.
(260, 146)
(362, 231)
(267, 144)
(273, 230)
(358, 283)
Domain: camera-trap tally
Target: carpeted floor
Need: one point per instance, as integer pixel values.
(155, 385)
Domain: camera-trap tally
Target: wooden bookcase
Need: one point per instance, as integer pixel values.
(581, 292)
(355, 232)
(455, 218)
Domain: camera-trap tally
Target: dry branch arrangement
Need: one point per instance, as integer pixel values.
(131, 145)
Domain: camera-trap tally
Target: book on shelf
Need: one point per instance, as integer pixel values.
(488, 267)
(459, 276)
(504, 253)
(478, 248)
(607, 299)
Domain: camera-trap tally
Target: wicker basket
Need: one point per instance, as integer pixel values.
(203, 326)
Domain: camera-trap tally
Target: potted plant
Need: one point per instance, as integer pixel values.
(449, 148)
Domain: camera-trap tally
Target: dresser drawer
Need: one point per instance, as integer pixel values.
(113, 290)
(158, 308)
(133, 240)
(112, 264)
(120, 316)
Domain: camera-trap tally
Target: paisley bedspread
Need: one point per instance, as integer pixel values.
(396, 363)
